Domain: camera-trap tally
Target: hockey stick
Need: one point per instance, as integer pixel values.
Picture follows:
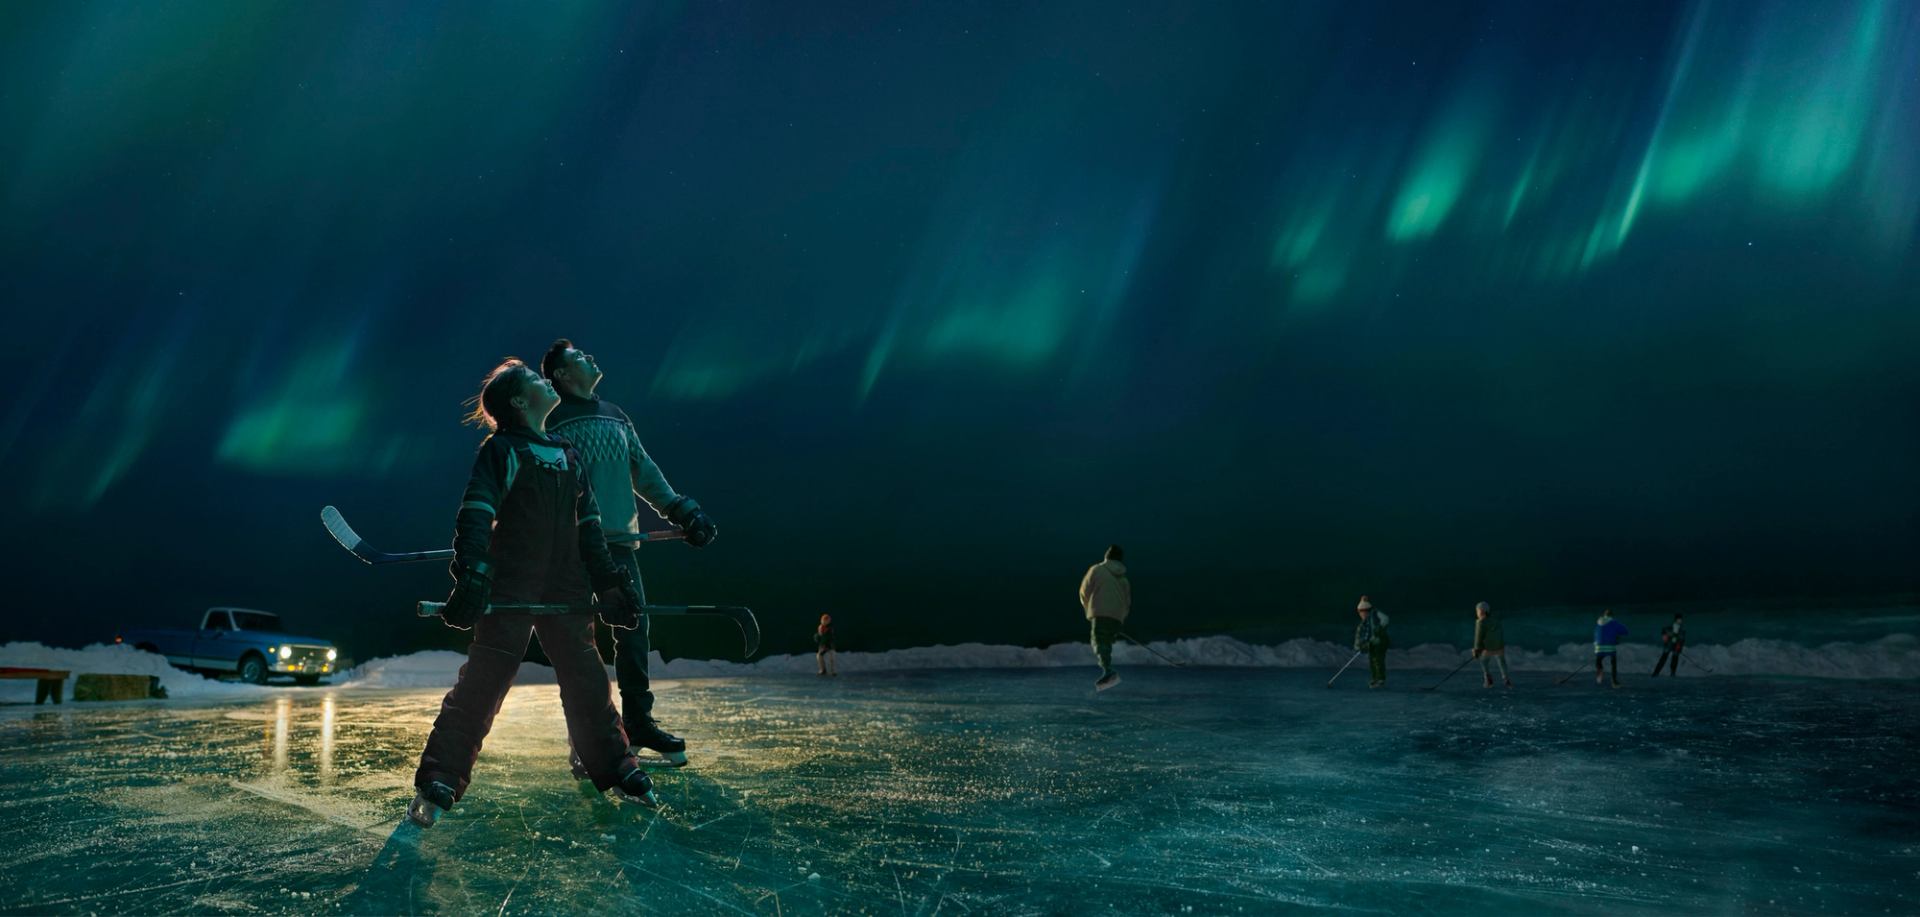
(741, 616)
(1443, 681)
(1564, 678)
(1151, 650)
(1343, 669)
(1683, 658)
(342, 532)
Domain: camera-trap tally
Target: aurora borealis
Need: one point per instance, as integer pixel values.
(1589, 302)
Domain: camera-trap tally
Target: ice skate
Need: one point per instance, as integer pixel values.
(1107, 681)
(1489, 681)
(429, 804)
(655, 747)
(636, 787)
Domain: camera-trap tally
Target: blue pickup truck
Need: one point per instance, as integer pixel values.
(241, 641)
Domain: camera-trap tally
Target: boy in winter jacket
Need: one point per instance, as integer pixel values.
(1489, 645)
(1106, 596)
(1371, 636)
(1606, 646)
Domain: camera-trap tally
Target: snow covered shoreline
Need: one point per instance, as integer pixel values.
(1896, 656)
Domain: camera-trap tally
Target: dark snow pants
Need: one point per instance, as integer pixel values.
(1377, 662)
(1674, 654)
(499, 643)
(630, 649)
(1600, 661)
(1104, 631)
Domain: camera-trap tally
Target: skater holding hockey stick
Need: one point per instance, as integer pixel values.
(1106, 596)
(1673, 641)
(1606, 646)
(528, 531)
(1489, 645)
(619, 469)
(1370, 636)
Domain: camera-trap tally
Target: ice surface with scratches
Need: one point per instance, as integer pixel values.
(1202, 790)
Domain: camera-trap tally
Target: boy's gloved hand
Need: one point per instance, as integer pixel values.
(472, 591)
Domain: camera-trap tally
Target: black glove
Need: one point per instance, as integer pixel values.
(618, 602)
(693, 520)
(472, 592)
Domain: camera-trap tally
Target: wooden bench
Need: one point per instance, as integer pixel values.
(52, 681)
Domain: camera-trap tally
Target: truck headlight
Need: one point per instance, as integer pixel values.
(332, 654)
(286, 652)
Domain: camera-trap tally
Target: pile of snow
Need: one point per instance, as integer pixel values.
(430, 669)
(1896, 656)
(108, 659)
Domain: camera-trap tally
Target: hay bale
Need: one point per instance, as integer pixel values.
(92, 686)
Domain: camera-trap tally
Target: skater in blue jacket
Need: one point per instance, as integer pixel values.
(1606, 646)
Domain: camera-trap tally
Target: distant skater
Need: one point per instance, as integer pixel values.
(1371, 636)
(823, 651)
(1106, 596)
(1606, 646)
(1673, 639)
(1489, 645)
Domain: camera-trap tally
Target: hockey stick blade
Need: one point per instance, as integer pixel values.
(741, 616)
(342, 532)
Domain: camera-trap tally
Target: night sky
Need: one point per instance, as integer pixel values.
(927, 303)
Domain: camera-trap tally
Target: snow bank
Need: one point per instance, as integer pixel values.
(109, 659)
(1896, 656)
(430, 669)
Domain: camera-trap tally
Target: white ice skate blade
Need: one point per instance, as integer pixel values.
(1103, 685)
(649, 758)
(651, 800)
(421, 811)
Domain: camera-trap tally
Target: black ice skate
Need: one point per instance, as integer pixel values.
(636, 787)
(655, 747)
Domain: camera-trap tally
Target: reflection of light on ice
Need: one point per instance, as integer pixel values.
(326, 738)
(282, 711)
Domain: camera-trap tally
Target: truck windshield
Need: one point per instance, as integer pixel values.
(254, 620)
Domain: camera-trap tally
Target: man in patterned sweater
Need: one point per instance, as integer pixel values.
(619, 468)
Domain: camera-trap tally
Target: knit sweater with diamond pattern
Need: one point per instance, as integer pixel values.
(618, 467)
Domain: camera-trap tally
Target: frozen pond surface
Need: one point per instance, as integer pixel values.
(997, 791)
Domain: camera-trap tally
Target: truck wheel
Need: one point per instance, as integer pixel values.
(253, 669)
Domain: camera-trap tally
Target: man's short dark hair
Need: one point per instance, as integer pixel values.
(1114, 552)
(555, 354)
